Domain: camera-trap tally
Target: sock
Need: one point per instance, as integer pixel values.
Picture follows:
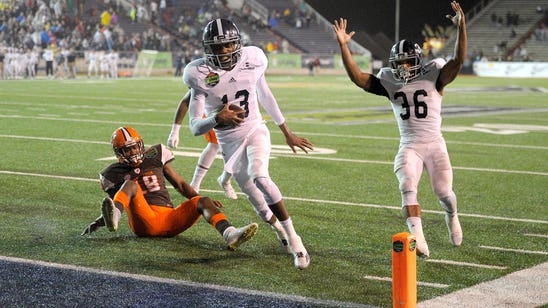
(225, 177)
(289, 229)
(277, 227)
(219, 222)
(415, 226)
(199, 174)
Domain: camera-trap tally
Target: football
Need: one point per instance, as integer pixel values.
(234, 108)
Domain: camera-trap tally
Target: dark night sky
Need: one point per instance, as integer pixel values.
(373, 16)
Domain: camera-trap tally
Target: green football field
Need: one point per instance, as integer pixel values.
(343, 197)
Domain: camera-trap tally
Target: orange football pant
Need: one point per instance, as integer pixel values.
(148, 220)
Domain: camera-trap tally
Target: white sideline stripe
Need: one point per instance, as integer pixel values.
(419, 283)
(466, 264)
(303, 199)
(299, 156)
(536, 235)
(524, 288)
(178, 282)
(515, 250)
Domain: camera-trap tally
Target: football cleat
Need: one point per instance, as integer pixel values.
(455, 231)
(301, 258)
(109, 216)
(240, 235)
(422, 249)
(230, 193)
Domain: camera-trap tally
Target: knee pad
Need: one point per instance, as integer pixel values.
(270, 190)
(256, 199)
(262, 210)
(449, 203)
(408, 188)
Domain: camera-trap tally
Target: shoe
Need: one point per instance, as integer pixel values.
(230, 193)
(107, 209)
(455, 231)
(301, 258)
(422, 249)
(241, 235)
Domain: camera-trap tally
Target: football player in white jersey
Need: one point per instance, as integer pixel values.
(415, 91)
(228, 76)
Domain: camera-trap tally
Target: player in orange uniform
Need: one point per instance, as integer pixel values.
(137, 184)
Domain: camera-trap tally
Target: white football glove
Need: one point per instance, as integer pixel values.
(173, 139)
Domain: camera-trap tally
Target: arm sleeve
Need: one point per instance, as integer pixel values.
(376, 87)
(199, 125)
(267, 100)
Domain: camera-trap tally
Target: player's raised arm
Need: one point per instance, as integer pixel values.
(450, 71)
(358, 77)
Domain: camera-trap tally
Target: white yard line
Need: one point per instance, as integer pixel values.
(536, 235)
(534, 252)
(419, 283)
(398, 208)
(300, 156)
(466, 264)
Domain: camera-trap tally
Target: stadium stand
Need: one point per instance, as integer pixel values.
(500, 28)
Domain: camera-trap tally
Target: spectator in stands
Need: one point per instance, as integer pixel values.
(105, 18)
(114, 18)
(48, 57)
(285, 46)
(2, 57)
(153, 11)
(133, 13)
(523, 53)
(71, 62)
(273, 20)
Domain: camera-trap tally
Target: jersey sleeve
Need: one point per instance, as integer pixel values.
(267, 100)
(167, 154)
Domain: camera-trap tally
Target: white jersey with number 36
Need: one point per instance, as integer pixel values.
(417, 104)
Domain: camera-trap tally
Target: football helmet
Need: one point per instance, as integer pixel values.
(218, 35)
(128, 146)
(406, 60)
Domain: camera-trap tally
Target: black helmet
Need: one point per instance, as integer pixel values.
(402, 52)
(217, 33)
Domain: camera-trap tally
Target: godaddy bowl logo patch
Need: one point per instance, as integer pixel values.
(212, 79)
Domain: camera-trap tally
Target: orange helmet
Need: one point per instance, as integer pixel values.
(128, 146)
